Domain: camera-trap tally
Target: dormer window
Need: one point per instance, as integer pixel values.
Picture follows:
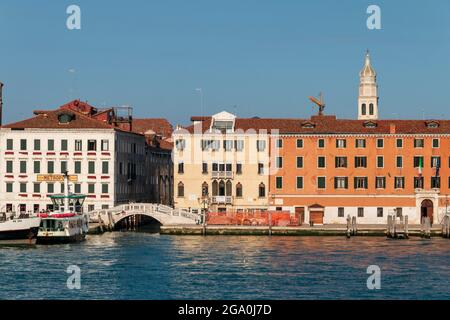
(223, 122)
(370, 124)
(432, 124)
(222, 126)
(308, 125)
(64, 118)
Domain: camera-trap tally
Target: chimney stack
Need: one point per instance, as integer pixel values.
(1, 104)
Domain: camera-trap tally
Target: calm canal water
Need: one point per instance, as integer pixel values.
(152, 266)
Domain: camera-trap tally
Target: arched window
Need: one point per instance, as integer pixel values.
(229, 188)
(180, 190)
(239, 190)
(221, 188)
(215, 188)
(262, 190)
(371, 109)
(363, 109)
(205, 190)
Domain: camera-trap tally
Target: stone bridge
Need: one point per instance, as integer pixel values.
(130, 212)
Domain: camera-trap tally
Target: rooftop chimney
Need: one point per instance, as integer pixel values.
(392, 128)
(1, 103)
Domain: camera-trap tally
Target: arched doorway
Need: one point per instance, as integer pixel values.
(426, 210)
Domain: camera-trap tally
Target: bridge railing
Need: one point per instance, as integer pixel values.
(137, 208)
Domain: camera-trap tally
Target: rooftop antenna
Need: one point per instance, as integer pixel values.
(72, 71)
(200, 91)
(319, 102)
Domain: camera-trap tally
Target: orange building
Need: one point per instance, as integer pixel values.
(329, 168)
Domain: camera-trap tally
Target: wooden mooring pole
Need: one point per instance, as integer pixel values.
(446, 226)
(426, 228)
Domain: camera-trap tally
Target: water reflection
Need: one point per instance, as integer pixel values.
(151, 266)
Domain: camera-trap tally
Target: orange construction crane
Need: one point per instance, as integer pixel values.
(319, 102)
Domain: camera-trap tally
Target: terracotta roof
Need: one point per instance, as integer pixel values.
(328, 124)
(158, 126)
(49, 120)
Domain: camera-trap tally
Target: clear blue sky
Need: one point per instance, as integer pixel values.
(264, 56)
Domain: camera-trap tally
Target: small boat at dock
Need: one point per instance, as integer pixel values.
(18, 230)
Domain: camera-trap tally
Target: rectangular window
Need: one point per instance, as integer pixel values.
(341, 143)
(50, 167)
(321, 162)
(77, 167)
(360, 143)
(50, 145)
(227, 145)
(180, 144)
(9, 144)
(23, 187)
(399, 143)
(418, 161)
(321, 183)
(380, 161)
(418, 182)
(37, 166)
(105, 188)
(360, 183)
(340, 162)
(299, 162)
(239, 145)
(23, 166)
(9, 166)
(399, 162)
(105, 167)
(419, 143)
(279, 162)
(92, 145)
(63, 166)
(91, 167)
(341, 212)
(279, 143)
(204, 167)
(380, 182)
(105, 145)
(9, 187)
(399, 182)
(380, 212)
(64, 145)
(23, 144)
(435, 182)
(78, 145)
(380, 143)
(321, 143)
(299, 143)
(215, 145)
(360, 162)
(261, 145)
(435, 162)
(279, 182)
(36, 188)
(299, 182)
(37, 144)
(399, 212)
(50, 188)
(435, 143)
(360, 212)
(180, 167)
(238, 168)
(341, 182)
(91, 188)
(260, 168)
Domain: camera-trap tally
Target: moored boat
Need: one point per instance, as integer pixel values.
(18, 230)
(67, 222)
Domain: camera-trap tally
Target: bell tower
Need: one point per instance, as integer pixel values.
(368, 92)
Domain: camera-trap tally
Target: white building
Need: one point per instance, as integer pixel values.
(108, 161)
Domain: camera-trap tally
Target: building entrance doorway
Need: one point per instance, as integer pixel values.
(300, 215)
(426, 210)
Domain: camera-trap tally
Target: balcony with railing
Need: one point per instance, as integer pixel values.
(222, 200)
(222, 174)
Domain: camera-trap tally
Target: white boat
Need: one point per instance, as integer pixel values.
(20, 230)
(67, 222)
